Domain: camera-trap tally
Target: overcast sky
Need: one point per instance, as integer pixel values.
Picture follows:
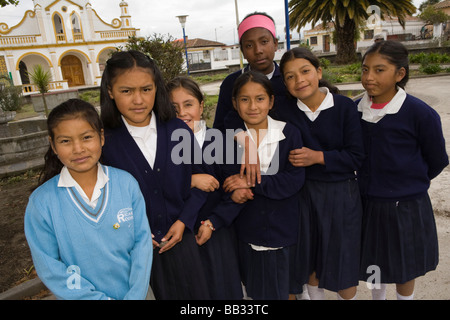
(207, 19)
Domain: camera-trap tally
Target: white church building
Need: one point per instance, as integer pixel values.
(68, 38)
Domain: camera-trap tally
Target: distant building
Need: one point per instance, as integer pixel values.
(319, 38)
(200, 52)
(212, 55)
(444, 6)
(66, 37)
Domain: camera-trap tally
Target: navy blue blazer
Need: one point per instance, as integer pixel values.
(167, 186)
(271, 218)
(336, 132)
(219, 208)
(404, 152)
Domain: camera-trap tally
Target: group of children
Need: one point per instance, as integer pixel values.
(337, 186)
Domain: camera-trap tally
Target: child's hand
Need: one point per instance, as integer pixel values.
(305, 157)
(173, 236)
(235, 182)
(204, 182)
(155, 244)
(242, 195)
(204, 233)
(250, 159)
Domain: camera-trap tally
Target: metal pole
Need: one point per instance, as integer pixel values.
(237, 26)
(185, 51)
(288, 35)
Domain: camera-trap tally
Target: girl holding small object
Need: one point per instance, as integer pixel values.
(86, 223)
(140, 123)
(213, 232)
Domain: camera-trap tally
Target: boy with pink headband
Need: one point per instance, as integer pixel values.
(258, 42)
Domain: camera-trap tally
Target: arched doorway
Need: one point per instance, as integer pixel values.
(72, 71)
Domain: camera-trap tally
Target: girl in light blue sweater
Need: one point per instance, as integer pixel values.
(86, 224)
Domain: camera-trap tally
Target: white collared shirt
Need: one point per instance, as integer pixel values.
(266, 153)
(373, 115)
(269, 76)
(269, 144)
(146, 138)
(67, 181)
(200, 134)
(327, 103)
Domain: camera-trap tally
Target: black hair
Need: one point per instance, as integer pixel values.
(396, 53)
(68, 110)
(119, 63)
(252, 76)
(304, 53)
(256, 13)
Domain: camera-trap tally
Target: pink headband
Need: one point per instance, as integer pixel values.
(256, 21)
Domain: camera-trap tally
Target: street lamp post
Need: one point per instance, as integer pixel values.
(237, 27)
(286, 16)
(182, 20)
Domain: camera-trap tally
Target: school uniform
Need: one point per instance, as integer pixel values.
(219, 254)
(226, 117)
(267, 226)
(405, 149)
(93, 249)
(166, 186)
(330, 202)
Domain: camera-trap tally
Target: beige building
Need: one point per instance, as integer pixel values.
(319, 38)
(68, 38)
(443, 6)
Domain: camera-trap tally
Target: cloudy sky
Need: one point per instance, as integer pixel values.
(207, 19)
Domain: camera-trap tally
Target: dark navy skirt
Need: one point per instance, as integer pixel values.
(399, 239)
(178, 274)
(335, 213)
(220, 260)
(268, 275)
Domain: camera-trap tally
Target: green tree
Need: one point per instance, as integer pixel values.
(432, 16)
(347, 16)
(167, 54)
(10, 96)
(4, 3)
(427, 3)
(41, 78)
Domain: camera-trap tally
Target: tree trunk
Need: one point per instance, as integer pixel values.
(345, 41)
(45, 105)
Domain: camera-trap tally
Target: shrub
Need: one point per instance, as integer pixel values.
(432, 68)
(324, 63)
(91, 96)
(417, 58)
(431, 57)
(354, 68)
(10, 96)
(332, 77)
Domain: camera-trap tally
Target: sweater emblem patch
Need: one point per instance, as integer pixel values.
(124, 215)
